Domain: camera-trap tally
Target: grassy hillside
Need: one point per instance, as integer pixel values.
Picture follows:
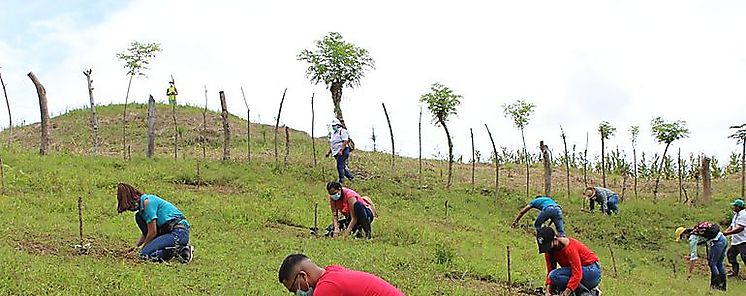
(248, 216)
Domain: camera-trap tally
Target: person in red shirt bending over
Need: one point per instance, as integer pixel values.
(303, 277)
(579, 273)
(359, 211)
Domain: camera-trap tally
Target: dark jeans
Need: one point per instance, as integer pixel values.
(364, 219)
(613, 204)
(553, 213)
(342, 165)
(733, 252)
(163, 247)
(561, 276)
(717, 255)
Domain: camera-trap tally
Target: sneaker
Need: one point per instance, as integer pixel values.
(731, 273)
(597, 291)
(185, 254)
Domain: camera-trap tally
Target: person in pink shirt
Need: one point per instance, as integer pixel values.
(303, 277)
(358, 211)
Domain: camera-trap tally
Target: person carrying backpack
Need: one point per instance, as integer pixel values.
(709, 233)
(340, 147)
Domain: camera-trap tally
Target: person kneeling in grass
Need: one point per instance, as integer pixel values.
(359, 211)
(706, 232)
(579, 272)
(164, 229)
(549, 210)
(303, 277)
(608, 199)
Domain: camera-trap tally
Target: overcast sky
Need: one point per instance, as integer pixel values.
(580, 62)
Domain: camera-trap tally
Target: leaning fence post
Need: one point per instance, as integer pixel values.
(510, 281)
(613, 260)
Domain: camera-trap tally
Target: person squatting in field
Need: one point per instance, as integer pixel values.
(164, 229)
(579, 272)
(359, 211)
(548, 210)
(302, 277)
(607, 199)
(738, 236)
(706, 232)
(339, 143)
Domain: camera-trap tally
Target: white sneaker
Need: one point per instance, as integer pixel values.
(186, 254)
(597, 291)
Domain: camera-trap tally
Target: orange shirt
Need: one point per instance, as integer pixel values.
(343, 204)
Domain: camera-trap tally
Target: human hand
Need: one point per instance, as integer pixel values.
(566, 292)
(339, 153)
(130, 250)
(548, 292)
(335, 232)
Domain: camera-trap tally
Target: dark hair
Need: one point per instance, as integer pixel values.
(334, 185)
(290, 262)
(127, 197)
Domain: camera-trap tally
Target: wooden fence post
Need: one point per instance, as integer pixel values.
(287, 146)
(203, 136)
(226, 127)
(313, 136)
(681, 186)
(510, 280)
(151, 127)
(94, 119)
(277, 125)
(80, 218)
(706, 180)
(419, 136)
(42, 93)
(567, 161)
(10, 117)
(391, 132)
(176, 131)
(497, 163)
(547, 168)
(473, 156)
(248, 127)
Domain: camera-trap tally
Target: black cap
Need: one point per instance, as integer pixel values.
(544, 238)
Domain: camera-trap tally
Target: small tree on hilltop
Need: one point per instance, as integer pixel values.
(666, 132)
(442, 103)
(520, 111)
(337, 63)
(136, 59)
(606, 131)
(634, 131)
(740, 136)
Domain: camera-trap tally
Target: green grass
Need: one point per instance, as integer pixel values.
(248, 217)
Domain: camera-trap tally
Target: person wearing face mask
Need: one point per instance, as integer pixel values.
(579, 272)
(302, 277)
(359, 211)
(339, 143)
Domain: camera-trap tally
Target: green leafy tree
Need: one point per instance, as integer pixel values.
(338, 64)
(665, 133)
(606, 131)
(740, 136)
(136, 59)
(634, 131)
(520, 112)
(442, 103)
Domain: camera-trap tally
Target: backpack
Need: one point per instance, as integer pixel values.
(707, 230)
(351, 144)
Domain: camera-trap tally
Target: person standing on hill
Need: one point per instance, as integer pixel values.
(359, 211)
(548, 210)
(607, 199)
(706, 232)
(738, 238)
(171, 92)
(164, 229)
(340, 148)
(579, 273)
(302, 277)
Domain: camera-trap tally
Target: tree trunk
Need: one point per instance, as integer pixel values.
(547, 168)
(203, 136)
(226, 128)
(743, 167)
(419, 137)
(473, 156)
(42, 93)
(634, 166)
(336, 89)
(391, 132)
(151, 127)
(277, 125)
(313, 137)
(10, 118)
(585, 165)
(373, 137)
(176, 132)
(706, 180)
(681, 186)
(603, 162)
(287, 146)
(567, 162)
(658, 177)
(497, 164)
(248, 127)
(94, 119)
(124, 119)
(450, 154)
(525, 155)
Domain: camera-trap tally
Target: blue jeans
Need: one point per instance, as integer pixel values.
(342, 165)
(717, 255)
(162, 247)
(591, 277)
(553, 213)
(613, 204)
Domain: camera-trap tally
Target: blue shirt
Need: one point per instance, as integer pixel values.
(542, 202)
(159, 210)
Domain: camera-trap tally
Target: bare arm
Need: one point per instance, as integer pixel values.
(353, 216)
(335, 216)
(733, 230)
(520, 215)
(152, 232)
(344, 145)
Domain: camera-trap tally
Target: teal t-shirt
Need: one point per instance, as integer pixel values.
(160, 210)
(542, 202)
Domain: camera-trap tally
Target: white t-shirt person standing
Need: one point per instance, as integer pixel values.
(738, 236)
(339, 142)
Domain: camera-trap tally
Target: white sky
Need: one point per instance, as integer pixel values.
(580, 62)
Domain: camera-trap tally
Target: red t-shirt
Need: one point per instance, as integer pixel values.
(343, 204)
(339, 281)
(575, 255)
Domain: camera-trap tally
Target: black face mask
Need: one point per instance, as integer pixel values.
(559, 247)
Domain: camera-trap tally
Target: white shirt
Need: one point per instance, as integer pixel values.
(336, 140)
(739, 218)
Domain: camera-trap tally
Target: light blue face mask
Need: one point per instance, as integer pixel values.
(336, 128)
(336, 196)
(308, 292)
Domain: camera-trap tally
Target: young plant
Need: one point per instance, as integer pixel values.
(442, 103)
(519, 112)
(634, 131)
(666, 132)
(606, 131)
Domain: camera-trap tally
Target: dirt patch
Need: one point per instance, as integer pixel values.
(47, 245)
(288, 227)
(489, 284)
